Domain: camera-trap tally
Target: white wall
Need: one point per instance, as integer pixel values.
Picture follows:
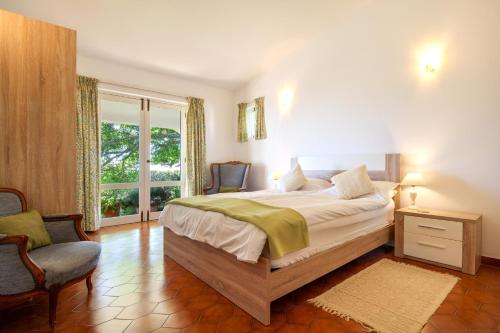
(357, 89)
(219, 116)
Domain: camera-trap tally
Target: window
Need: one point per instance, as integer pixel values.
(251, 119)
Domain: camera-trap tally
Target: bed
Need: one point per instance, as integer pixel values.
(253, 281)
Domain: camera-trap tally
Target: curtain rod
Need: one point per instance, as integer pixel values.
(145, 90)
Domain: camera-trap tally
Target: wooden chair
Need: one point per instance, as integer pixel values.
(228, 177)
(71, 257)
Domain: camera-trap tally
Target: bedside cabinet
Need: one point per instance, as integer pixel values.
(444, 238)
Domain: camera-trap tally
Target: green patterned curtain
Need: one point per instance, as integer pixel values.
(260, 119)
(87, 159)
(242, 122)
(195, 151)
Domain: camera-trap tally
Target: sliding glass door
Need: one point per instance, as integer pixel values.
(141, 154)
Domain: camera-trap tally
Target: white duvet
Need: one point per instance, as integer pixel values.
(246, 241)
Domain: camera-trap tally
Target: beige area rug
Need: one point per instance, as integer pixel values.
(388, 297)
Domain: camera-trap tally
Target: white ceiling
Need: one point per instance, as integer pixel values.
(222, 42)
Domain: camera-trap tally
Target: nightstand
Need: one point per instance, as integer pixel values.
(443, 238)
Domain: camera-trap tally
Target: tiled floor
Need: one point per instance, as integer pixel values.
(138, 290)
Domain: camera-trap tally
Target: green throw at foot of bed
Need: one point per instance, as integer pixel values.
(286, 229)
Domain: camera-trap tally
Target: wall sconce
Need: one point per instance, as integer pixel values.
(430, 60)
(285, 99)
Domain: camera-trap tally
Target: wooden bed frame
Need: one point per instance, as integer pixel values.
(254, 286)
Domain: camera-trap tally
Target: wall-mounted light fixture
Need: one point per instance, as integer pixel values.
(285, 99)
(430, 60)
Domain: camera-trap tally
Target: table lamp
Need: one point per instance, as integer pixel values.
(275, 176)
(413, 179)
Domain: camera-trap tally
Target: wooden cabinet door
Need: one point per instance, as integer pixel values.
(38, 112)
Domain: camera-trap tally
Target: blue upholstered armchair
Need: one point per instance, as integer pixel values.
(228, 177)
(71, 257)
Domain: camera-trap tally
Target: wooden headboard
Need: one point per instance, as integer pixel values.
(380, 166)
(386, 167)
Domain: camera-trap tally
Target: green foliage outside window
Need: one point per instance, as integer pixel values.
(120, 164)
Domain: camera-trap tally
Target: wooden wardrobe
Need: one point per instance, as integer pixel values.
(38, 112)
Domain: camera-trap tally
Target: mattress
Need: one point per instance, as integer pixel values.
(330, 221)
(327, 235)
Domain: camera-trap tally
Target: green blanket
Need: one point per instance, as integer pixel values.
(285, 228)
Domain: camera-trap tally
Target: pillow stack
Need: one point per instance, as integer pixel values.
(349, 184)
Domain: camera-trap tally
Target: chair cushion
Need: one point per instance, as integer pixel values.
(66, 261)
(30, 224)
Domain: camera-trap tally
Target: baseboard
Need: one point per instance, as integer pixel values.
(490, 261)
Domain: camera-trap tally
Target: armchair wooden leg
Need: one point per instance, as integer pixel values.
(89, 283)
(53, 298)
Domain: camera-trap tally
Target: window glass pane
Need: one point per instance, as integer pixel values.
(119, 139)
(251, 122)
(160, 195)
(165, 147)
(119, 202)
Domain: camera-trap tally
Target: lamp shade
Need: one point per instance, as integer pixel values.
(276, 175)
(413, 179)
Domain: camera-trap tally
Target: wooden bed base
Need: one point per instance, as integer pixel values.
(254, 286)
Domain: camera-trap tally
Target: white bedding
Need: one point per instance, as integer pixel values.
(327, 235)
(321, 209)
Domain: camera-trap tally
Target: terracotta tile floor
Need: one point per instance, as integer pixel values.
(138, 290)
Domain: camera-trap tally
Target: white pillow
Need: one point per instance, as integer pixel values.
(293, 179)
(314, 184)
(353, 183)
(387, 189)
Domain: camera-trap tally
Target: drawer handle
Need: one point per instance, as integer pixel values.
(431, 227)
(432, 245)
